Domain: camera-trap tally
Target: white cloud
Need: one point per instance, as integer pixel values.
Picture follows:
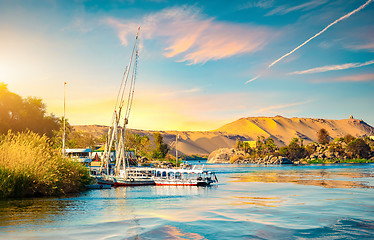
(271, 109)
(333, 68)
(282, 10)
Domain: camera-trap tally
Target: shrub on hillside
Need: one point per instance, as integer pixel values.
(348, 138)
(358, 148)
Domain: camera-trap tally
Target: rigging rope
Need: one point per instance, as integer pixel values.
(113, 129)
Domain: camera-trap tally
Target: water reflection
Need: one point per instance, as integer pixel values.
(257, 201)
(170, 232)
(322, 178)
(33, 211)
(242, 206)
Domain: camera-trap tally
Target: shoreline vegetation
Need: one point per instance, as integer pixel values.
(31, 161)
(347, 149)
(31, 167)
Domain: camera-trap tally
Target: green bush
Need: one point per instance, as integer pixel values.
(358, 148)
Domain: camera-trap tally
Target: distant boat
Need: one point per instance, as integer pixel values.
(184, 177)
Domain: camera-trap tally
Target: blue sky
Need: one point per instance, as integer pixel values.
(195, 59)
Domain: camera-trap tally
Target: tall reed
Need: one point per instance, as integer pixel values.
(30, 166)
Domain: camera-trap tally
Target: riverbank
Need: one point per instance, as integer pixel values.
(31, 167)
(337, 152)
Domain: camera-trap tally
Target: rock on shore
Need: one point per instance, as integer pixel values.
(231, 155)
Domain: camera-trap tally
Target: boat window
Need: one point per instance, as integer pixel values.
(164, 174)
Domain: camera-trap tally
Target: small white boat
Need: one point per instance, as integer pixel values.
(184, 177)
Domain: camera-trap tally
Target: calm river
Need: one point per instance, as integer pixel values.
(250, 202)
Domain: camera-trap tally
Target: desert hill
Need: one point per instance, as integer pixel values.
(189, 142)
(281, 129)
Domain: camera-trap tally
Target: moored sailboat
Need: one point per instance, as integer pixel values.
(122, 174)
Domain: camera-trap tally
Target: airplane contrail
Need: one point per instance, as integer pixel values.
(316, 35)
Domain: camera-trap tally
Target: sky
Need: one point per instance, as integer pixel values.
(201, 64)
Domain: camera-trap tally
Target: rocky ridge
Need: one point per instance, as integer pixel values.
(231, 155)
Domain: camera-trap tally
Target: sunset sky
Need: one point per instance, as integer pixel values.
(202, 63)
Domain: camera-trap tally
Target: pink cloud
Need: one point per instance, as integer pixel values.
(357, 78)
(270, 109)
(368, 46)
(352, 78)
(192, 37)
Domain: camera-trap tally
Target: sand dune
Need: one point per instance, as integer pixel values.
(284, 129)
(280, 128)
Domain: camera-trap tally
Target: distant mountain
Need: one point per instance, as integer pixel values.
(189, 142)
(281, 129)
(284, 129)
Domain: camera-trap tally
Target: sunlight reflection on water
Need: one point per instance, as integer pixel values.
(322, 178)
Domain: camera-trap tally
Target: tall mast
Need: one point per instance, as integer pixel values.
(115, 138)
(176, 150)
(63, 135)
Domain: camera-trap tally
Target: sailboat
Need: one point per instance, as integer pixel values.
(120, 173)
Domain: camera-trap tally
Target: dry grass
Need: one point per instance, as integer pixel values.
(30, 166)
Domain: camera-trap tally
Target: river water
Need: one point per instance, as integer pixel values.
(249, 202)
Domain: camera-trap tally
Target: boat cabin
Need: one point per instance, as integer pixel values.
(186, 177)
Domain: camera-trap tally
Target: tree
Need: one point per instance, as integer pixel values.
(246, 147)
(140, 143)
(238, 145)
(21, 114)
(265, 146)
(294, 150)
(323, 136)
(358, 148)
(161, 148)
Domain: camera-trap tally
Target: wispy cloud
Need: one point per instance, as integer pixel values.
(357, 78)
(257, 4)
(282, 10)
(271, 109)
(314, 36)
(333, 68)
(180, 92)
(368, 46)
(192, 37)
(351, 78)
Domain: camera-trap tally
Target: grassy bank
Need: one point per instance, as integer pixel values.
(30, 166)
